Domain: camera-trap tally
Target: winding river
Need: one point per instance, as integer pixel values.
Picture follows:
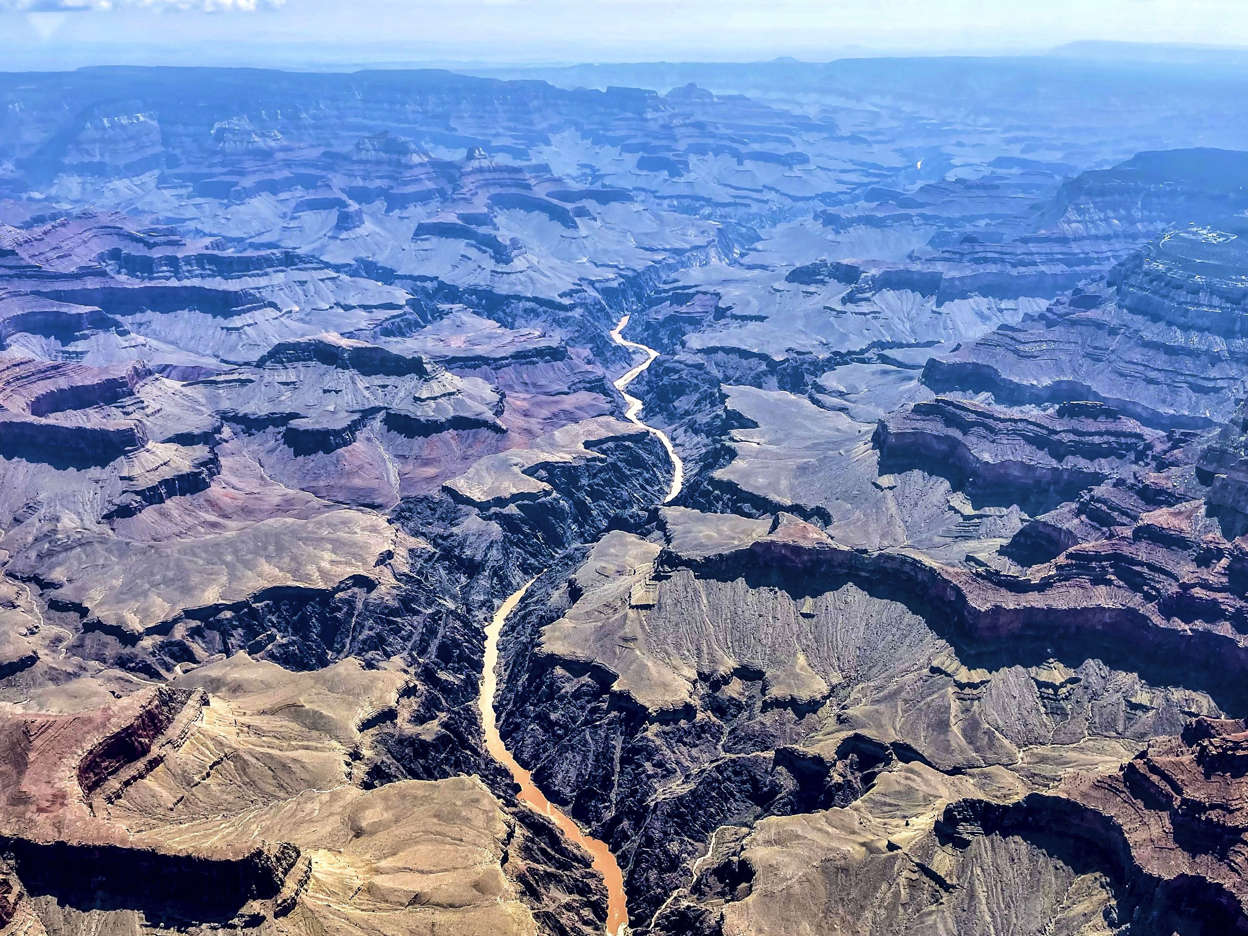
(633, 412)
(603, 861)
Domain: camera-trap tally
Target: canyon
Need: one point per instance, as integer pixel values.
(604, 862)
(673, 500)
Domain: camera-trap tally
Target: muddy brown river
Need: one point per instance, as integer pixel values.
(603, 861)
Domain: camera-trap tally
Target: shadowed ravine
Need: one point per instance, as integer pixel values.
(604, 862)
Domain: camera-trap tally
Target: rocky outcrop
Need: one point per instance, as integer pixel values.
(522, 201)
(67, 446)
(822, 271)
(170, 891)
(134, 740)
(343, 354)
(249, 817)
(1174, 307)
(452, 230)
(1152, 191)
(1190, 280)
(1223, 465)
(1025, 459)
(1164, 828)
(1178, 807)
(324, 392)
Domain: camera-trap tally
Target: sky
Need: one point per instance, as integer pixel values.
(68, 33)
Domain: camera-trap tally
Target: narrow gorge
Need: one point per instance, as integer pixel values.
(604, 862)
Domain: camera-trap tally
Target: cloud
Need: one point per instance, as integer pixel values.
(47, 6)
(156, 6)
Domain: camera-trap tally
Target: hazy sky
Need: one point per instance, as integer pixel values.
(587, 30)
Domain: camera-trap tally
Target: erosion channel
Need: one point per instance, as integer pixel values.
(604, 862)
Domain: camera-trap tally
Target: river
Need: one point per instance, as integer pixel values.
(634, 406)
(603, 861)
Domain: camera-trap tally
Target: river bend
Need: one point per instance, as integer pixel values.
(603, 861)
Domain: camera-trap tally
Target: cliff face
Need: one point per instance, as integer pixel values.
(1162, 829)
(700, 727)
(1177, 306)
(228, 801)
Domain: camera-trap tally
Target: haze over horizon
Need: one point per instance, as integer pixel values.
(56, 34)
